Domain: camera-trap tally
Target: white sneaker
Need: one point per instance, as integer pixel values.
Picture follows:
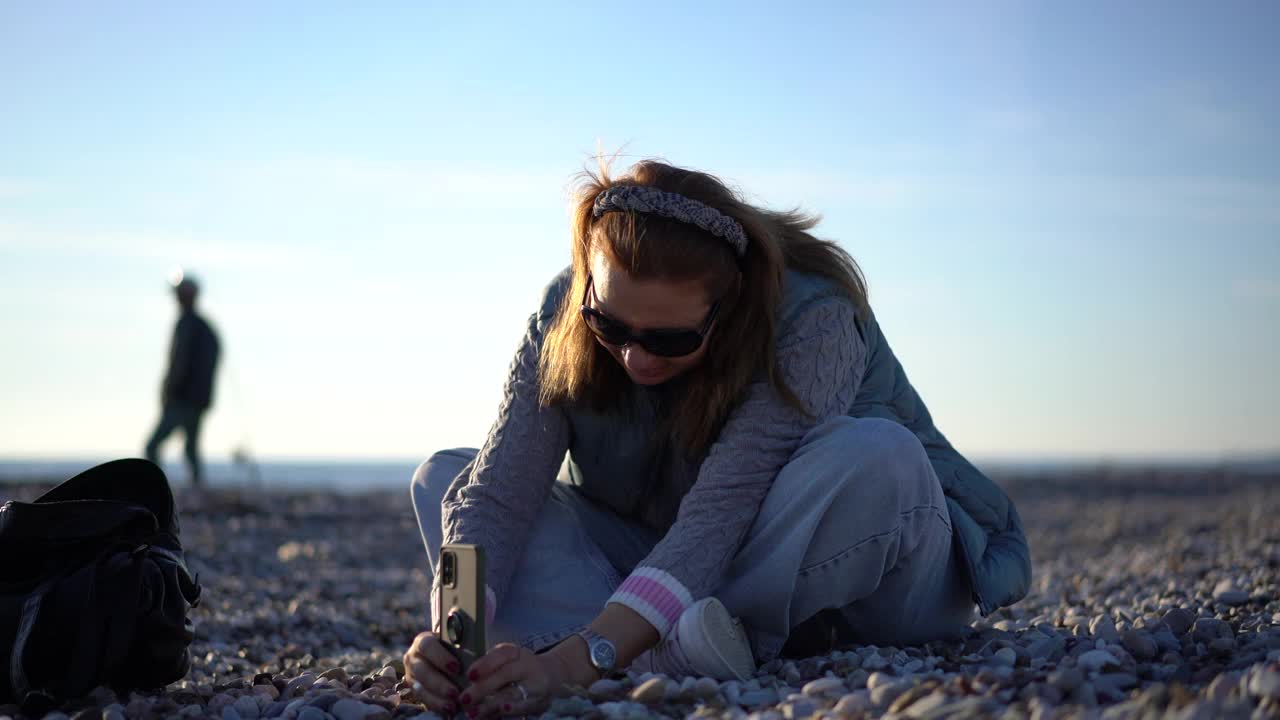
(705, 641)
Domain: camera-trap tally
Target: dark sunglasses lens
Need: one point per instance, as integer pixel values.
(606, 329)
(672, 345)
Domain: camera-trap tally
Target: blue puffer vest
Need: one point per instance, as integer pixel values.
(985, 521)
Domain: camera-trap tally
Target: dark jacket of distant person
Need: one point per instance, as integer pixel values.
(193, 358)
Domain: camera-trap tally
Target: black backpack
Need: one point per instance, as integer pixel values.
(94, 589)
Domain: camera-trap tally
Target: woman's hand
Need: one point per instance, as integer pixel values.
(430, 668)
(511, 680)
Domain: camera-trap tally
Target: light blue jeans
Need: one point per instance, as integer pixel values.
(855, 520)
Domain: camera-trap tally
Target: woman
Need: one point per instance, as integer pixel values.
(747, 463)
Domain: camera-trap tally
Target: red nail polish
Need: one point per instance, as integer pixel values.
(473, 676)
(465, 700)
(506, 707)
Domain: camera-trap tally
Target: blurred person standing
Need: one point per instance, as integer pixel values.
(187, 390)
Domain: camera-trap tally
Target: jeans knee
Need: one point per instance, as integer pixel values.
(436, 473)
(874, 454)
(891, 447)
(419, 479)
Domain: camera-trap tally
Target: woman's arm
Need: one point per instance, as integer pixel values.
(496, 499)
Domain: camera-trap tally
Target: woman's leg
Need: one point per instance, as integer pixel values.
(560, 583)
(856, 521)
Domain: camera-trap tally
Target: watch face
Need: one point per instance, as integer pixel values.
(603, 654)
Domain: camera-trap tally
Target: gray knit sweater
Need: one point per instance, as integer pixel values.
(497, 499)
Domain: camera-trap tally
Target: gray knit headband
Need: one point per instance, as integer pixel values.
(645, 199)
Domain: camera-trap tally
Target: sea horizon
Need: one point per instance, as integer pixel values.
(355, 474)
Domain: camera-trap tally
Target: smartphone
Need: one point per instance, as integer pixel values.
(461, 611)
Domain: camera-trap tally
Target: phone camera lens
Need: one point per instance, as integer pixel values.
(447, 569)
(454, 628)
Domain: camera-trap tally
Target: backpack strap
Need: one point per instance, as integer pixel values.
(30, 613)
(118, 621)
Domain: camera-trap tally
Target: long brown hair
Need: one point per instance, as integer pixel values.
(574, 369)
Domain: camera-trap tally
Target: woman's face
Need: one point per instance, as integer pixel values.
(648, 305)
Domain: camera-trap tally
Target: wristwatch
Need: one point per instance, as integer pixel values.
(604, 656)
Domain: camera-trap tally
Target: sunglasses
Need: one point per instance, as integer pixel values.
(663, 342)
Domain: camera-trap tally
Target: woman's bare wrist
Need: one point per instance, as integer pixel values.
(573, 663)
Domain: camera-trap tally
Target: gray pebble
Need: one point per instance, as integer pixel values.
(606, 688)
(756, 698)
(706, 688)
(350, 709)
(1118, 680)
(1209, 629)
(1066, 679)
(1179, 621)
(799, 709)
(1227, 593)
(875, 662)
(246, 707)
(1005, 656)
(1102, 626)
(299, 685)
(1050, 648)
(1139, 644)
(312, 713)
(1222, 645)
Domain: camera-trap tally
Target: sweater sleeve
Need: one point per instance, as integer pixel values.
(495, 500)
(822, 358)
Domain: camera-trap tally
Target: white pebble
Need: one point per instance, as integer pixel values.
(824, 686)
(1095, 660)
(876, 679)
(650, 691)
(1265, 684)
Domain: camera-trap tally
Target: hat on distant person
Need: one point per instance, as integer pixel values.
(183, 282)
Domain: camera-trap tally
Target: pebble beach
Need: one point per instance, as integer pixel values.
(1156, 593)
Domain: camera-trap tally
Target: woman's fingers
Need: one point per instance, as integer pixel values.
(428, 647)
(507, 700)
(497, 694)
(434, 689)
(499, 668)
(426, 667)
(491, 661)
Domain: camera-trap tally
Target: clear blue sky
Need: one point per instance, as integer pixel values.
(1068, 213)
